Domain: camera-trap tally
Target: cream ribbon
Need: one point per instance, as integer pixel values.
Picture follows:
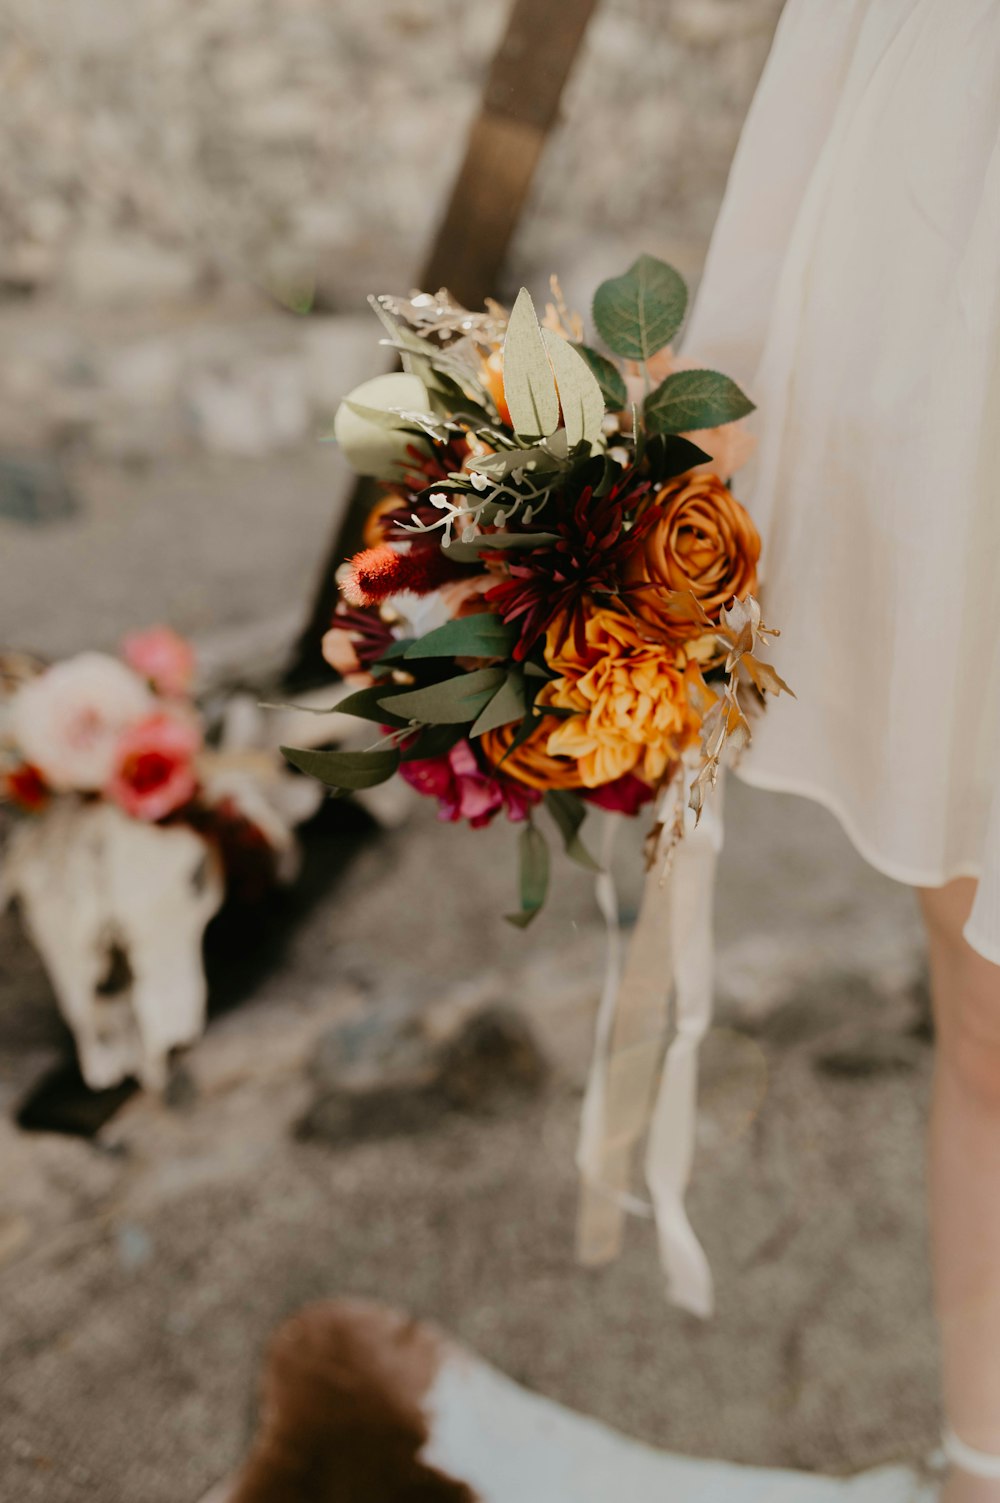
(655, 1009)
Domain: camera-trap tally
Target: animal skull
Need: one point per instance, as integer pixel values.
(117, 910)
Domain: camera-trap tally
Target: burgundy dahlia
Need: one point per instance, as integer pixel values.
(553, 580)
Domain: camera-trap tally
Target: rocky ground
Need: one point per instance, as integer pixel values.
(142, 1272)
(180, 177)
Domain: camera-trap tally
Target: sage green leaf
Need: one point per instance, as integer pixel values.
(370, 438)
(480, 636)
(456, 701)
(432, 741)
(507, 704)
(499, 466)
(370, 704)
(690, 400)
(344, 769)
(569, 813)
(639, 313)
(528, 383)
(609, 377)
(580, 396)
(533, 852)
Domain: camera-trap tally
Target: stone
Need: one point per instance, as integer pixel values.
(389, 1080)
(123, 269)
(250, 413)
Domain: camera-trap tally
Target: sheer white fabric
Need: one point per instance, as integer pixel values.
(853, 285)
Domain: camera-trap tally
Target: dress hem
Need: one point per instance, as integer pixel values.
(895, 871)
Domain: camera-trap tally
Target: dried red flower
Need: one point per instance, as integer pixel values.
(376, 573)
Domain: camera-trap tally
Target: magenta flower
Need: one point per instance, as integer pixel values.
(154, 772)
(626, 795)
(464, 791)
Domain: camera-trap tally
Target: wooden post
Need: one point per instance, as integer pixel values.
(519, 107)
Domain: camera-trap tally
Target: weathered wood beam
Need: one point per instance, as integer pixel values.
(519, 107)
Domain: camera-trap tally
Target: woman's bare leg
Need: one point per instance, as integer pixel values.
(965, 1180)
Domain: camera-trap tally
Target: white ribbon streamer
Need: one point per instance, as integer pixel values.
(654, 1011)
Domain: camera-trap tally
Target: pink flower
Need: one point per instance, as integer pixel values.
(626, 795)
(154, 772)
(163, 657)
(66, 722)
(464, 791)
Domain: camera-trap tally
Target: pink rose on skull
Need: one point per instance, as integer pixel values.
(68, 720)
(154, 772)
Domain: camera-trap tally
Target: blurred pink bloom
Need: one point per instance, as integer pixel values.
(730, 446)
(339, 651)
(164, 657)
(67, 721)
(464, 791)
(154, 772)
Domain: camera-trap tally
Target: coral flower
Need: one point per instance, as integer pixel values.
(701, 543)
(154, 772)
(633, 713)
(163, 657)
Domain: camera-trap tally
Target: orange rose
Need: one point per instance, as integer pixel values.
(631, 697)
(530, 763)
(702, 544)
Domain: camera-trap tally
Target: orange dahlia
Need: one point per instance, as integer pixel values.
(630, 695)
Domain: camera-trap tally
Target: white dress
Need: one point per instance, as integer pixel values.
(853, 286)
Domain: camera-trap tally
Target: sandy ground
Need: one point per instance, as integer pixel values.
(143, 1272)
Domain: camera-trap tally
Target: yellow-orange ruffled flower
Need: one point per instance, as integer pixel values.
(631, 698)
(702, 544)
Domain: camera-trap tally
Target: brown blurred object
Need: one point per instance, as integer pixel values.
(520, 105)
(342, 1412)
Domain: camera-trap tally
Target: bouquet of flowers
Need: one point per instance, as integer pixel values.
(555, 605)
(132, 829)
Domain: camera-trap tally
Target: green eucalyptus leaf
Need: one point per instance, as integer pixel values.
(580, 395)
(507, 704)
(480, 636)
(432, 741)
(609, 377)
(344, 769)
(639, 313)
(569, 812)
(689, 400)
(371, 704)
(528, 382)
(455, 701)
(533, 852)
